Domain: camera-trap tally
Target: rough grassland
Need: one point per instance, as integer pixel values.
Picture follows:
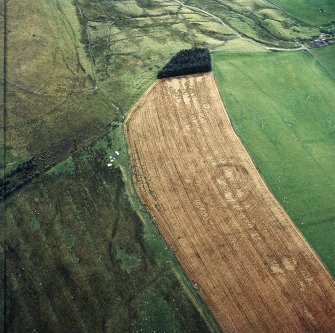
(250, 262)
(259, 21)
(50, 93)
(80, 259)
(282, 107)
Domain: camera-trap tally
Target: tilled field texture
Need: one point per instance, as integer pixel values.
(249, 261)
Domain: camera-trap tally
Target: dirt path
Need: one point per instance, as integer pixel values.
(251, 264)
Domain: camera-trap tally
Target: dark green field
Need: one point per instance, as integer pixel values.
(79, 258)
(282, 107)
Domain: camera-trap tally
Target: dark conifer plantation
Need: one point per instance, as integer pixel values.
(191, 61)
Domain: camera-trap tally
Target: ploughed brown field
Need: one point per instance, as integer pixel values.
(251, 264)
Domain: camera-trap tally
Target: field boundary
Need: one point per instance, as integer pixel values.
(298, 232)
(278, 252)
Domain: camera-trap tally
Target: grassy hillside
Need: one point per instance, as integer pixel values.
(78, 256)
(76, 67)
(259, 21)
(316, 12)
(281, 105)
(80, 259)
(73, 236)
(50, 88)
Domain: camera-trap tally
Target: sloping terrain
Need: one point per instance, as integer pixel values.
(80, 259)
(49, 81)
(251, 264)
(258, 21)
(64, 255)
(73, 70)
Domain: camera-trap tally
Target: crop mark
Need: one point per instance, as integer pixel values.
(249, 261)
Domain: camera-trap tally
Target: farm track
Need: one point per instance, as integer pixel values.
(251, 264)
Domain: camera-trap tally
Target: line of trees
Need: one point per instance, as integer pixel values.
(18, 177)
(190, 61)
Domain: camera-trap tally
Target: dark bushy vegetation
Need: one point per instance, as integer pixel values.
(196, 60)
(18, 177)
(328, 28)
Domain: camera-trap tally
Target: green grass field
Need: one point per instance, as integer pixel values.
(316, 12)
(282, 107)
(325, 58)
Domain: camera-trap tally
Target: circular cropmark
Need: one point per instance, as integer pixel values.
(234, 181)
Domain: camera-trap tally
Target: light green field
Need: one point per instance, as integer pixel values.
(282, 107)
(325, 58)
(312, 11)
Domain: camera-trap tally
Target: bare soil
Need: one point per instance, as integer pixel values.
(250, 263)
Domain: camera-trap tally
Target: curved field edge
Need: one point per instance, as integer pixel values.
(70, 54)
(280, 105)
(153, 237)
(100, 96)
(166, 125)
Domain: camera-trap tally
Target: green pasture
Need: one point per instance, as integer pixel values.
(282, 107)
(312, 11)
(325, 58)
